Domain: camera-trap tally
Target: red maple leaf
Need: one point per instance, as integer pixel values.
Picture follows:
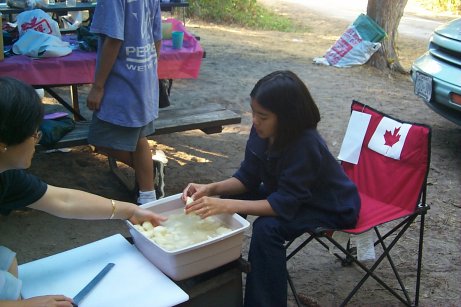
(392, 138)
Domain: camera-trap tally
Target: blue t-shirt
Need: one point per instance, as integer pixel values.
(131, 91)
(303, 180)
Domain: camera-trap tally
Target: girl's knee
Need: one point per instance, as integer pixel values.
(266, 228)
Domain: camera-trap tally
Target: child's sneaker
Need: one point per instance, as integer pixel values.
(159, 159)
(146, 197)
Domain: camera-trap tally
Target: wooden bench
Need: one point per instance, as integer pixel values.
(209, 118)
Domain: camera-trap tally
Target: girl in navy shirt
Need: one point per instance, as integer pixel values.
(288, 178)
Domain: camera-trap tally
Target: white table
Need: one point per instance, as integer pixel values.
(133, 281)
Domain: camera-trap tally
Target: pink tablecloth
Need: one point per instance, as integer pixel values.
(78, 67)
(181, 63)
(75, 68)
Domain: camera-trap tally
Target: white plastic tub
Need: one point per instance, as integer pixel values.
(195, 259)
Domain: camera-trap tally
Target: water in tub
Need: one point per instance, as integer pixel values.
(183, 230)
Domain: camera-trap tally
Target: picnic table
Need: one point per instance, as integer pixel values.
(55, 8)
(78, 68)
(82, 6)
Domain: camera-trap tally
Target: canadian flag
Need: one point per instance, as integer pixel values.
(389, 138)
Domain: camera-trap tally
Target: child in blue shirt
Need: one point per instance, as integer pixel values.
(124, 96)
(288, 178)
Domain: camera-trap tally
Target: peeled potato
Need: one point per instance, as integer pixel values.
(181, 231)
(138, 227)
(222, 230)
(160, 230)
(147, 226)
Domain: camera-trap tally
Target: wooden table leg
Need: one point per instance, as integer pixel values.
(74, 98)
(77, 115)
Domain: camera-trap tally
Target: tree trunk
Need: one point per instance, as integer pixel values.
(387, 13)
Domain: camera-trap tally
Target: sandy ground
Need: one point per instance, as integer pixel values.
(236, 59)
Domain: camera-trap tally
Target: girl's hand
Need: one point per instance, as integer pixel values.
(195, 191)
(93, 101)
(207, 206)
(141, 215)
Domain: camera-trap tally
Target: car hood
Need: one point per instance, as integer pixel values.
(451, 30)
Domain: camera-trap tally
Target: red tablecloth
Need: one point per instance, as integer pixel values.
(79, 66)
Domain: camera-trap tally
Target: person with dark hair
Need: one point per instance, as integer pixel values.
(288, 178)
(21, 112)
(125, 92)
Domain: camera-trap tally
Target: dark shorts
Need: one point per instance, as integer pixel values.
(105, 134)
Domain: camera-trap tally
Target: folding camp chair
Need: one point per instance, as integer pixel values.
(390, 168)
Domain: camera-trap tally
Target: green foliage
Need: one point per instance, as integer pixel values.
(452, 6)
(246, 13)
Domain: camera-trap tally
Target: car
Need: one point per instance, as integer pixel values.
(436, 75)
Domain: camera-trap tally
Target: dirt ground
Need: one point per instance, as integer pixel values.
(235, 59)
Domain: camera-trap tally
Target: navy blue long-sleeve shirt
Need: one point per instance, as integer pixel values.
(302, 180)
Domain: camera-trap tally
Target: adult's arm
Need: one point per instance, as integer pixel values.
(70, 203)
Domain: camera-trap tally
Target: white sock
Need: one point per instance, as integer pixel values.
(146, 197)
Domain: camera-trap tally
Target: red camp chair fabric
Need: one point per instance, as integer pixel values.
(389, 188)
(391, 176)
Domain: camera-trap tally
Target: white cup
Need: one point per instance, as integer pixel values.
(71, 2)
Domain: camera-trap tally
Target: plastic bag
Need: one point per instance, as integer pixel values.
(39, 21)
(350, 49)
(41, 45)
(359, 54)
(72, 21)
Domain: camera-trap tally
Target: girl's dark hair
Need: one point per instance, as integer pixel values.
(21, 111)
(283, 93)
